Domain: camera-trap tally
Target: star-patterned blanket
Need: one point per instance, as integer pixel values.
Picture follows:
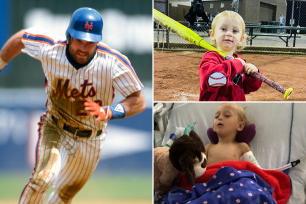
(233, 182)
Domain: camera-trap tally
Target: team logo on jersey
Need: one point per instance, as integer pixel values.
(62, 91)
(119, 108)
(87, 26)
(217, 79)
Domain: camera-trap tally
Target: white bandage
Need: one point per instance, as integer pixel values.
(249, 156)
(2, 64)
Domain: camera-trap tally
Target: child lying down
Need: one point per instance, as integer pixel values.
(233, 175)
(229, 119)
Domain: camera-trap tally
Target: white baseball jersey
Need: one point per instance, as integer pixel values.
(63, 158)
(67, 86)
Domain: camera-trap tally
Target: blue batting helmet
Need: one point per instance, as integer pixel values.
(85, 24)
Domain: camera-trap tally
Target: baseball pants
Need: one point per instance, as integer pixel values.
(63, 159)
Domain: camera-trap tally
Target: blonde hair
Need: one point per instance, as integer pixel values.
(234, 17)
(242, 116)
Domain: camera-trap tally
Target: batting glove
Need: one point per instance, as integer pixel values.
(96, 110)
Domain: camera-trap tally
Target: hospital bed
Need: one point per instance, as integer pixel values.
(280, 133)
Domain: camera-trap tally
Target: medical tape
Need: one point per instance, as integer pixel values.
(249, 156)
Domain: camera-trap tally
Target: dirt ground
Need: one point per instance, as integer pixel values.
(176, 76)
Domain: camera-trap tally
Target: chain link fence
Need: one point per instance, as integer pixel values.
(269, 26)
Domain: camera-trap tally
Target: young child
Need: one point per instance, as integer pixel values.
(229, 119)
(226, 80)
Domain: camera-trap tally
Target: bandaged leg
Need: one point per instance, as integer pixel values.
(249, 156)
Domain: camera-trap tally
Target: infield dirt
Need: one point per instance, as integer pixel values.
(176, 76)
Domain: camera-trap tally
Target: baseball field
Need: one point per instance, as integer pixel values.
(101, 188)
(176, 76)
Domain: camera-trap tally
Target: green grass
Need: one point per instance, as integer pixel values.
(121, 187)
(101, 185)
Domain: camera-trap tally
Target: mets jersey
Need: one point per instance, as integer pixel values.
(67, 87)
(222, 80)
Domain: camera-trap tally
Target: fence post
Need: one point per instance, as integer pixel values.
(167, 32)
(157, 35)
(292, 14)
(237, 6)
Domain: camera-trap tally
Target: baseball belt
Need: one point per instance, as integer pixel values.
(72, 130)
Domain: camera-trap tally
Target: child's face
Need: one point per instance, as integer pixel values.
(228, 34)
(226, 121)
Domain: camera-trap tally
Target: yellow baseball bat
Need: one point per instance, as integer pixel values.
(190, 36)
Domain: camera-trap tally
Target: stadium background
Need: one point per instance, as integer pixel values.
(125, 169)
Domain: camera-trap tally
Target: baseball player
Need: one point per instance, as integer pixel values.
(81, 74)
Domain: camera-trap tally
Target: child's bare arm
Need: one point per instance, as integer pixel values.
(244, 147)
(206, 150)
